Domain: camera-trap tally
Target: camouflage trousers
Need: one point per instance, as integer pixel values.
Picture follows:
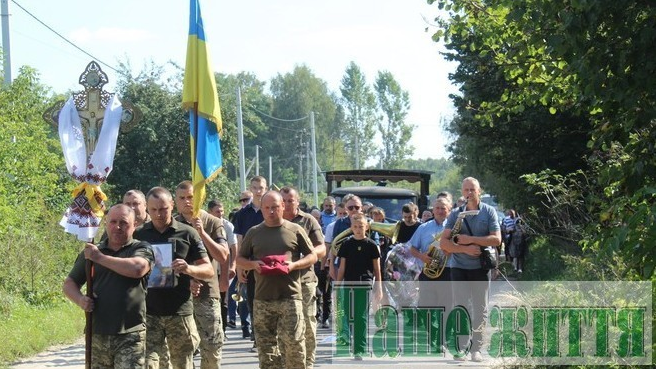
(120, 351)
(175, 336)
(207, 313)
(279, 321)
(309, 290)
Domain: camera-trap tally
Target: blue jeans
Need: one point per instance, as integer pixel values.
(241, 308)
(232, 304)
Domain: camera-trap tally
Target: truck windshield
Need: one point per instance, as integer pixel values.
(392, 206)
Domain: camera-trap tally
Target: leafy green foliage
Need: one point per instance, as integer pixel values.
(446, 175)
(34, 191)
(156, 151)
(295, 95)
(253, 99)
(28, 182)
(360, 108)
(581, 73)
(395, 132)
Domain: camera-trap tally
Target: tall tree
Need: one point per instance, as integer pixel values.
(395, 132)
(585, 61)
(295, 95)
(253, 100)
(33, 179)
(156, 151)
(360, 108)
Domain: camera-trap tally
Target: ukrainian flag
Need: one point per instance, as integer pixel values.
(200, 97)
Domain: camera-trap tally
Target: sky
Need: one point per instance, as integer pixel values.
(266, 38)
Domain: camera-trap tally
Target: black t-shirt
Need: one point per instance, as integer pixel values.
(359, 255)
(406, 232)
(188, 246)
(120, 301)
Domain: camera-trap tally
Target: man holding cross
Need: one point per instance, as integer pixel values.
(121, 265)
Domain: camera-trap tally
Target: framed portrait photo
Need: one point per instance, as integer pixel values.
(162, 275)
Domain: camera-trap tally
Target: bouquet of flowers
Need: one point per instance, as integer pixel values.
(402, 270)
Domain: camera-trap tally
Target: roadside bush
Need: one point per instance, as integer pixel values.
(36, 260)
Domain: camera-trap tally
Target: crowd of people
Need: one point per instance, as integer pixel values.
(273, 264)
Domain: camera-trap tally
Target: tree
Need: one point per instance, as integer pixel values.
(360, 108)
(34, 192)
(581, 61)
(34, 181)
(395, 133)
(253, 100)
(156, 151)
(295, 95)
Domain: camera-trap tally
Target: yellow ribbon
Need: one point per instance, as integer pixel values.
(93, 193)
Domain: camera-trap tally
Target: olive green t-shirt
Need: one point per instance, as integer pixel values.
(313, 231)
(288, 239)
(214, 228)
(120, 302)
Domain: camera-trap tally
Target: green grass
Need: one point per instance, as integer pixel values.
(26, 330)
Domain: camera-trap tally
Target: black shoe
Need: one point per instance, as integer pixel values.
(246, 334)
(231, 324)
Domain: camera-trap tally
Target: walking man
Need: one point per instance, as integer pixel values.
(309, 279)
(272, 250)
(207, 303)
(478, 233)
(170, 310)
(121, 265)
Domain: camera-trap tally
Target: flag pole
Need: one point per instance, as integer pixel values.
(194, 159)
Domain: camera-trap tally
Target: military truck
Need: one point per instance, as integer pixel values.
(391, 199)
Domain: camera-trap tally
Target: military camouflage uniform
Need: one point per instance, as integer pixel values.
(280, 321)
(170, 311)
(207, 312)
(207, 305)
(309, 283)
(132, 347)
(187, 339)
(278, 304)
(119, 315)
(310, 315)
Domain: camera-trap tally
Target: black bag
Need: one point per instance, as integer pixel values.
(488, 261)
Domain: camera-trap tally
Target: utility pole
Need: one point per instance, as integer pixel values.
(308, 157)
(270, 171)
(6, 48)
(257, 160)
(300, 170)
(240, 139)
(314, 160)
(357, 145)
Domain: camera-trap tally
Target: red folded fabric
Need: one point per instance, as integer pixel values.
(274, 265)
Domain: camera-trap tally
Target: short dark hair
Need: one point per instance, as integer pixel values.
(213, 203)
(185, 185)
(410, 208)
(159, 193)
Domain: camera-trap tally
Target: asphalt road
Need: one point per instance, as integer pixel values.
(236, 354)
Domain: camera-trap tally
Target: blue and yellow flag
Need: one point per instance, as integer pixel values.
(200, 97)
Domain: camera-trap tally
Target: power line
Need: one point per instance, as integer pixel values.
(278, 119)
(65, 39)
